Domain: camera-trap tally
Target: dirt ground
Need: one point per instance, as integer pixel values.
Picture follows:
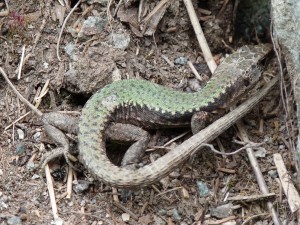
(114, 48)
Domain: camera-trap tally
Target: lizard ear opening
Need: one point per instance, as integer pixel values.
(246, 82)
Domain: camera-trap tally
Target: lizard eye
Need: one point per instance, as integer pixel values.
(246, 82)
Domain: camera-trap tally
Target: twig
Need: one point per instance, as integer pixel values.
(200, 36)
(212, 148)
(141, 5)
(195, 72)
(51, 192)
(251, 198)
(38, 36)
(145, 21)
(225, 3)
(24, 100)
(259, 176)
(221, 221)
(287, 184)
(62, 28)
(165, 192)
(6, 3)
(21, 63)
(253, 218)
(69, 182)
(117, 8)
(117, 204)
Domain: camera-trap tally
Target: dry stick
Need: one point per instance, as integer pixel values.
(289, 189)
(120, 206)
(37, 101)
(38, 36)
(159, 6)
(24, 100)
(51, 192)
(241, 198)
(6, 3)
(221, 221)
(200, 36)
(253, 218)
(195, 72)
(69, 182)
(141, 5)
(258, 174)
(62, 28)
(21, 63)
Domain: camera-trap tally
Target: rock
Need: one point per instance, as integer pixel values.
(120, 41)
(93, 25)
(15, 220)
(202, 188)
(222, 211)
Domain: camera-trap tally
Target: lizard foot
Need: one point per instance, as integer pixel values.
(58, 152)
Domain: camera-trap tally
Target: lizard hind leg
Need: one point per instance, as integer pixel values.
(200, 120)
(129, 133)
(140, 139)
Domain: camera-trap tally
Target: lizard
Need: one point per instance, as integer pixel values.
(142, 104)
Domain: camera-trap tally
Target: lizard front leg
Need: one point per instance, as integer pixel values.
(54, 123)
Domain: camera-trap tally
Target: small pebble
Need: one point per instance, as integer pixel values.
(20, 148)
(125, 217)
(202, 189)
(58, 221)
(162, 212)
(35, 177)
(176, 215)
(260, 152)
(21, 134)
(70, 203)
(180, 60)
(81, 186)
(273, 173)
(30, 165)
(37, 137)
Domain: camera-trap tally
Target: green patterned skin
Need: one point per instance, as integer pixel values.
(150, 105)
